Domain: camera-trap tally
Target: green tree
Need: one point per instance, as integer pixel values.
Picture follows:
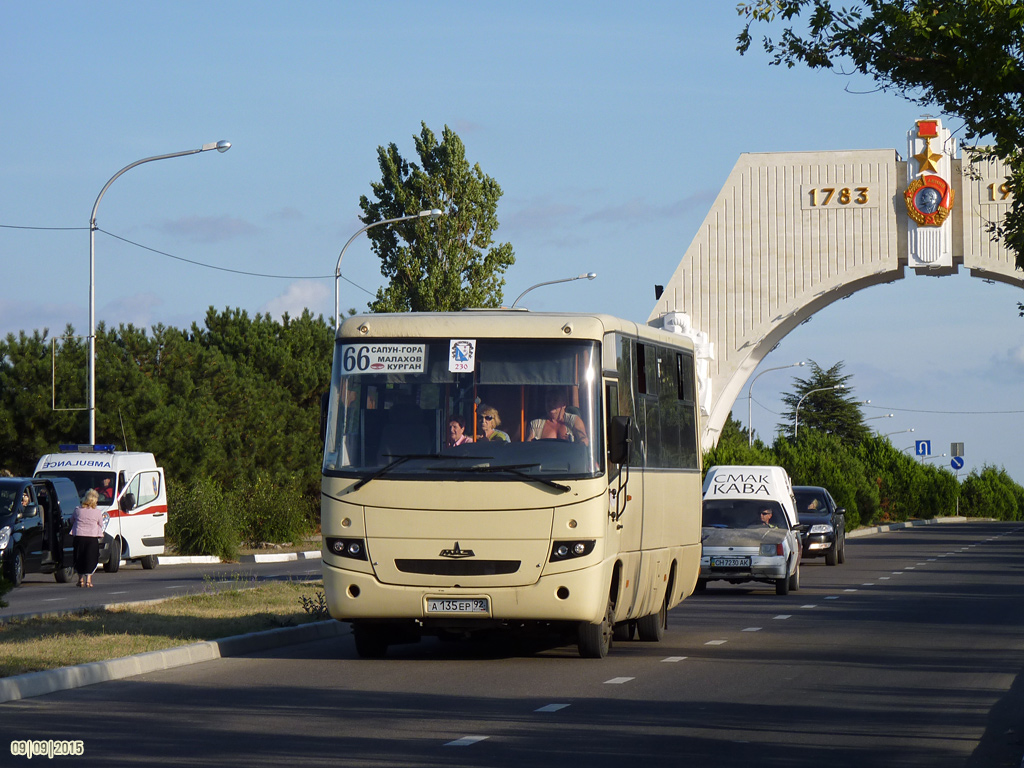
(963, 55)
(448, 264)
(826, 404)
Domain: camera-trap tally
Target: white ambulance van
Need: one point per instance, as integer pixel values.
(132, 491)
(750, 530)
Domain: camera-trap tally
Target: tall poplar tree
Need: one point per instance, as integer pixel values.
(445, 264)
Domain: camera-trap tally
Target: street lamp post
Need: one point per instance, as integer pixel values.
(900, 432)
(220, 146)
(883, 416)
(588, 276)
(796, 412)
(750, 425)
(431, 214)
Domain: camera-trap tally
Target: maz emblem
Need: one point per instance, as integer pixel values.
(457, 552)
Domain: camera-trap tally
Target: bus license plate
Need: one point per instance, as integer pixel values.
(730, 562)
(469, 605)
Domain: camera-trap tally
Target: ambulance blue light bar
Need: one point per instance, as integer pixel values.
(73, 448)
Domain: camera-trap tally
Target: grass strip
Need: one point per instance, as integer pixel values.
(33, 645)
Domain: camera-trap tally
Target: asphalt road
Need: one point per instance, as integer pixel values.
(910, 654)
(40, 593)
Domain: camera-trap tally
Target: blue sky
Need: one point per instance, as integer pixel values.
(610, 130)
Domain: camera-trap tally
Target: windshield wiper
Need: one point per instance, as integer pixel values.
(401, 458)
(512, 469)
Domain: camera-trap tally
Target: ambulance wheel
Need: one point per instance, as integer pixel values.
(148, 562)
(114, 563)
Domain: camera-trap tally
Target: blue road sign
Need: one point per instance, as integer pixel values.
(923, 448)
(957, 462)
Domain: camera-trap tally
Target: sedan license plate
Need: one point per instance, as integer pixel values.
(470, 605)
(730, 562)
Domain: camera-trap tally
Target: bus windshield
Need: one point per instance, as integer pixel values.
(464, 409)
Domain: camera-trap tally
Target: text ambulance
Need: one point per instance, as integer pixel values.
(131, 489)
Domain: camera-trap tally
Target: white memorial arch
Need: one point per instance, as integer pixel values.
(792, 232)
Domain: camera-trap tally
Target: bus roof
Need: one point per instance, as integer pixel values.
(500, 324)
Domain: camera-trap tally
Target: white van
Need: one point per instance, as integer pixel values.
(132, 490)
(750, 529)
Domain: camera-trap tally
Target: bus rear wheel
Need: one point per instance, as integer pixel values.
(595, 640)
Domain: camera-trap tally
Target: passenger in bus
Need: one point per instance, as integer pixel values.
(457, 431)
(559, 424)
(490, 421)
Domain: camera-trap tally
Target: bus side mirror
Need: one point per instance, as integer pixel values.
(618, 439)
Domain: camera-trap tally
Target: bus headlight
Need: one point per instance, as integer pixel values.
(567, 550)
(5, 537)
(354, 549)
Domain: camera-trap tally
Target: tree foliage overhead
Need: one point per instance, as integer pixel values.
(965, 56)
(823, 407)
(445, 264)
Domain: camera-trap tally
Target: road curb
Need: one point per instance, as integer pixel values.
(277, 557)
(857, 532)
(34, 684)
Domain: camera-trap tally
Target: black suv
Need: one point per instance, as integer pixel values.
(35, 527)
(826, 524)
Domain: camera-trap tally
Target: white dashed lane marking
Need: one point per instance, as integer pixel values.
(716, 642)
(466, 741)
(783, 616)
(618, 680)
(551, 707)
(674, 659)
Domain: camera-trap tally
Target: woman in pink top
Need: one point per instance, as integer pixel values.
(87, 533)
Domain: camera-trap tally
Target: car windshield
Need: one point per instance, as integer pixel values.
(743, 513)
(810, 502)
(448, 409)
(101, 482)
(9, 497)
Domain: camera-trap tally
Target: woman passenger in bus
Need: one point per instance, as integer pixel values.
(559, 423)
(457, 431)
(490, 421)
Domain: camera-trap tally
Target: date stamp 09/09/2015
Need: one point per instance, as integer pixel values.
(49, 748)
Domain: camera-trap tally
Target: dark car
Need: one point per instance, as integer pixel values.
(826, 524)
(35, 527)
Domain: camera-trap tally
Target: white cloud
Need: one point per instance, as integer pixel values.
(304, 294)
(208, 229)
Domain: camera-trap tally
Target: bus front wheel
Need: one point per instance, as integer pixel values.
(595, 640)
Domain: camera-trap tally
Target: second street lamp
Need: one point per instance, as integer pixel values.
(587, 276)
(220, 146)
(431, 214)
(750, 423)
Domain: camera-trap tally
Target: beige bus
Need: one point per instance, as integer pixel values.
(504, 469)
